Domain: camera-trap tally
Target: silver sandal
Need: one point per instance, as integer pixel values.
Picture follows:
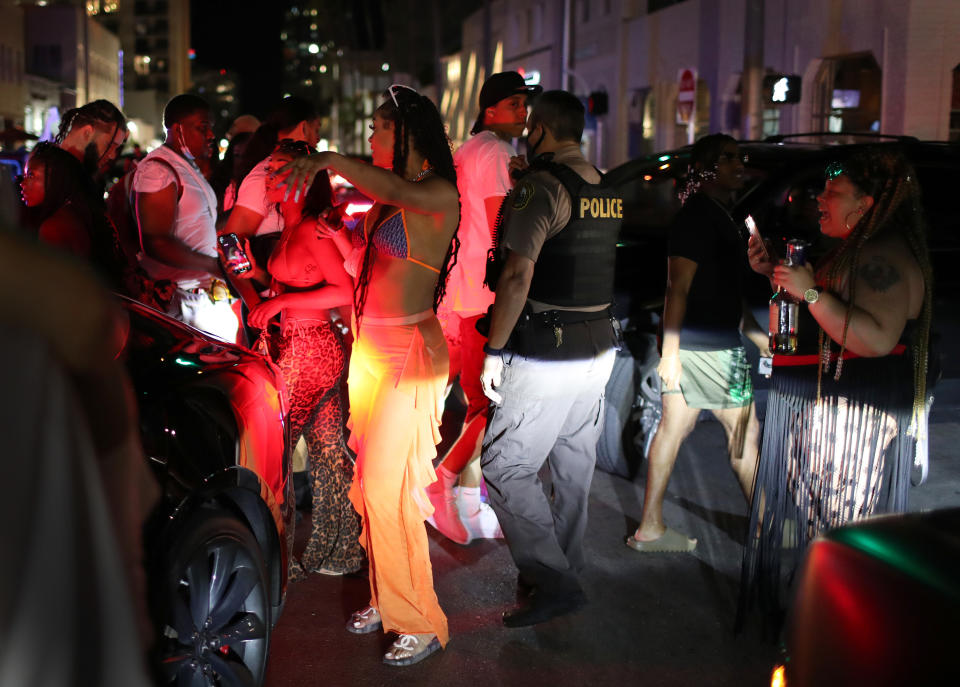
(364, 621)
(410, 649)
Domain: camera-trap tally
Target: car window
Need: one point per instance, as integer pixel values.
(784, 206)
(939, 185)
(649, 190)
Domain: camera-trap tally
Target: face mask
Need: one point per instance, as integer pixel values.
(184, 150)
(531, 146)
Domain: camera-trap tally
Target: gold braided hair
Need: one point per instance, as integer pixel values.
(886, 176)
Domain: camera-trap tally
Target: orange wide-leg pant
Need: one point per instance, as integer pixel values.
(398, 372)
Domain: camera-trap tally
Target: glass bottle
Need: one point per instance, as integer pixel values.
(785, 309)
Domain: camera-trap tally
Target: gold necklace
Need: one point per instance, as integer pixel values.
(423, 172)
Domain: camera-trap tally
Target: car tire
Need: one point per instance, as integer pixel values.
(214, 610)
(615, 450)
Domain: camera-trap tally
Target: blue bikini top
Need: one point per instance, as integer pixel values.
(391, 238)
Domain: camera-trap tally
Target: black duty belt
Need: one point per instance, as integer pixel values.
(557, 317)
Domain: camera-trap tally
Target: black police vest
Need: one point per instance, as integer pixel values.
(576, 266)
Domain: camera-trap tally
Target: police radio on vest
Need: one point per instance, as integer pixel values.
(601, 208)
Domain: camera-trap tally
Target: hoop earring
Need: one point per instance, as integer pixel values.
(846, 220)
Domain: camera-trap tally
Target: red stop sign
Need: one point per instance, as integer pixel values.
(686, 96)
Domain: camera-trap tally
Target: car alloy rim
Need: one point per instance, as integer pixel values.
(212, 625)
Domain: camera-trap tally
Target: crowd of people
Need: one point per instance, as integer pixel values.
(496, 270)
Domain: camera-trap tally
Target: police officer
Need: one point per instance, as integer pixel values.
(550, 350)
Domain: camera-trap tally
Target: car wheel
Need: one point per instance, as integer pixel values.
(215, 613)
(615, 452)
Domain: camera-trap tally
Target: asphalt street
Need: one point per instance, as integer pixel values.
(653, 619)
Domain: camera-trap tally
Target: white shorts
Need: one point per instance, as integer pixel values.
(198, 310)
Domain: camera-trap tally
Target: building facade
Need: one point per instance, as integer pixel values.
(63, 46)
(12, 85)
(887, 66)
(155, 41)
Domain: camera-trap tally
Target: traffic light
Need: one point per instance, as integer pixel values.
(597, 103)
(781, 88)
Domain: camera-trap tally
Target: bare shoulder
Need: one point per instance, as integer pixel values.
(886, 262)
(65, 228)
(439, 185)
(65, 220)
(444, 199)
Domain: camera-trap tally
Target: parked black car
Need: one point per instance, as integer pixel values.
(783, 176)
(212, 423)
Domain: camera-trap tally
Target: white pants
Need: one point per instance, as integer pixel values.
(199, 311)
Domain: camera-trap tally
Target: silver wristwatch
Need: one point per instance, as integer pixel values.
(812, 295)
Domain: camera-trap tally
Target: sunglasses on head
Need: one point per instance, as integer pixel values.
(396, 88)
(833, 170)
(289, 145)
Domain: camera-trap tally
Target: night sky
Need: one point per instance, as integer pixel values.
(242, 36)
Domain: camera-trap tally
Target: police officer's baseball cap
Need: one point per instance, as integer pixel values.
(498, 87)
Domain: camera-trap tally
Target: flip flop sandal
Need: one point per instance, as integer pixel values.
(670, 541)
(364, 621)
(410, 649)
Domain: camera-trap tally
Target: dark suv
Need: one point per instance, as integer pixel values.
(783, 176)
(212, 425)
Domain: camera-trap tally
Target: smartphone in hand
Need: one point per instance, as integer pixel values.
(235, 259)
(752, 228)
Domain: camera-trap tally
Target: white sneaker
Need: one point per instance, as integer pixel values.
(446, 518)
(482, 523)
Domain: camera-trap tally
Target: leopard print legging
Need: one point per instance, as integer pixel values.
(312, 358)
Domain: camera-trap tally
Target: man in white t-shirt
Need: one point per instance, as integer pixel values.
(252, 215)
(177, 213)
(483, 179)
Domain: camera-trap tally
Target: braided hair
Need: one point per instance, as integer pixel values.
(886, 176)
(95, 113)
(415, 119)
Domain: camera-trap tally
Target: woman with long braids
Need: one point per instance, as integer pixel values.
(309, 281)
(843, 413)
(399, 364)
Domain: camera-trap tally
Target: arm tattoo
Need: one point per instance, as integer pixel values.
(879, 274)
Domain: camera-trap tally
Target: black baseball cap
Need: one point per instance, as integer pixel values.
(498, 87)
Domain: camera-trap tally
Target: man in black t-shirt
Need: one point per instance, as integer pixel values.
(703, 364)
